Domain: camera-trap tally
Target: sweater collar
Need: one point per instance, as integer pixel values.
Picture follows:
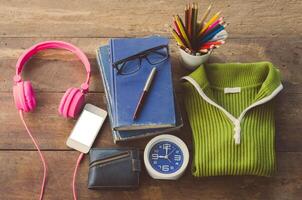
(262, 74)
(239, 75)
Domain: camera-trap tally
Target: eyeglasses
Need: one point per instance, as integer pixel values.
(133, 63)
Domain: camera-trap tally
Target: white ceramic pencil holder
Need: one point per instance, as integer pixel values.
(191, 62)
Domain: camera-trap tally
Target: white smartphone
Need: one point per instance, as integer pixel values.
(86, 129)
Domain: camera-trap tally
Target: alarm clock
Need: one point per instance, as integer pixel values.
(166, 157)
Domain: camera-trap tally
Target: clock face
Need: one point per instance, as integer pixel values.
(166, 157)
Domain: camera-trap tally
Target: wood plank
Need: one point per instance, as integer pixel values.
(55, 71)
(259, 30)
(52, 130)
(21, 173)
(100, 18)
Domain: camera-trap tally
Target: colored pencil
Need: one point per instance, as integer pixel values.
(211, 35)
(198, 37)
(182, 30)
(212, 30)
(186, 17)
(214, 24)
(210, 44)
(213, 19)
(177, 38)
(175, 27)
(219, 42)
(207, 46)
(222, 35)
(180, 36)
(181, 22)
(194, 20)
(204, 17)
(190, 22)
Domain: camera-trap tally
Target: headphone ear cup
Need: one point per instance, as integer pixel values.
(77, 103)
(72, 103)
(18, 97)
(29, 94)
(24, 96)
(63, 101)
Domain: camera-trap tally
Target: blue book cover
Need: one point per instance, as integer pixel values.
(159, 108)
(105, 68)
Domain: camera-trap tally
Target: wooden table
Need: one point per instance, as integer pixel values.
(259, 30)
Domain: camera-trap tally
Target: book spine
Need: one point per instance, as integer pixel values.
(107, 95)
(148, 134)
(114, 104)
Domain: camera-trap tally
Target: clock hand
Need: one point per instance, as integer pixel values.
(171, 152)
(166, 151)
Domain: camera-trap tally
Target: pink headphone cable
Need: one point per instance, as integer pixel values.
(44, 162)
(75, 175)
(25, 99)
(40, 153)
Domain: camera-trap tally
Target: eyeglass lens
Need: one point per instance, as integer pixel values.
(133, 65)
(157, 56)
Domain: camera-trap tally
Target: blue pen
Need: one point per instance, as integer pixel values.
(211, 35)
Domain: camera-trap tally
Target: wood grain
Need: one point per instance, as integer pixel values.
(52, 130)
(57, 70)
(259, 30)
(101, 18)
(52, 72)
(21, 172)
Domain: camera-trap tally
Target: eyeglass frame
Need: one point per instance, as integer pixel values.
(141, 55)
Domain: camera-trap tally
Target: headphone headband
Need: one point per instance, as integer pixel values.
(52, 45)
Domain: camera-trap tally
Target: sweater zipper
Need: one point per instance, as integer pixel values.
(236, 121)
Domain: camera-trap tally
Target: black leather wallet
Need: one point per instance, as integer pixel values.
(113, 168)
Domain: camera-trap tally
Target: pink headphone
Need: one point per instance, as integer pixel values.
(70, 106)
(73, 99)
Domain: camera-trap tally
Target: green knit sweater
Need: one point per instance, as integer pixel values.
(231, 115)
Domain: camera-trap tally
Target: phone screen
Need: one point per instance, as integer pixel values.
(87, 128)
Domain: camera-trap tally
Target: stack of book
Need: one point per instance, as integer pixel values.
(160, 111)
